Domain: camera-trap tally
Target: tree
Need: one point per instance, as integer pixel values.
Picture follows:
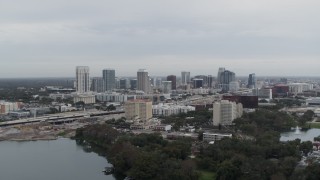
(80, 104)
(227, 171)
(306, 147)
(145, 167)
(111, 107)
(308, 115)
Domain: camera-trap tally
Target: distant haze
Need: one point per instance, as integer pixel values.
(268, 37)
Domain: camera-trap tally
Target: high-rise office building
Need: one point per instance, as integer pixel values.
(252, 82)
(225, 78)
(220, 71)
(234, 86)
(166, 87)
(97, 84)
(197, 83)
(138, 110)
(109, 79)
(173, 80)
(210, 81)
(143, 83)
(124, 83)
(225, 112)
(185, 77)
(205, 79)
(133, 84)
(158, 82)
(82, 79)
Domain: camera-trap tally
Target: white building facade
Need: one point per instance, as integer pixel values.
(170, 109)
(296, 88)
(82, 79)
(114, 97)
(225, 112)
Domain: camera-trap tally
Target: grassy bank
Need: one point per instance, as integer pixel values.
(206, 175)
(314, 125)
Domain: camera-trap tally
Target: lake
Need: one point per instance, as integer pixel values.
(303, 135)
(60, 159)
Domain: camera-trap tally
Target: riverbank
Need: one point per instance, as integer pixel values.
(39, 131)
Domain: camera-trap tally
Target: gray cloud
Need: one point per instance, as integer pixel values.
(50, 38)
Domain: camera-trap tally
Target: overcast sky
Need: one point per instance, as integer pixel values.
(49, 38)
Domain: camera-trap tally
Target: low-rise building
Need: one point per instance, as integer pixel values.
(297, 88)
(263, 93)
(114, 97)
(6, 107)
(86, 98)
(19, 114)
(313, 101)
(162, 127)
(208, 137)
(170, 109)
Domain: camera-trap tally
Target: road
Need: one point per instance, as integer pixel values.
(59, 116)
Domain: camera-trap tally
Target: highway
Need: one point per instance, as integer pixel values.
(60, 116)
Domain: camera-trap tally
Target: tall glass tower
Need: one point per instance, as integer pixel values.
(109, 79)
(252, 82)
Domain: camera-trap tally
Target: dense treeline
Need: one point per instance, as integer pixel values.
(264, 120)
(145, 156)
(242, 159)
(262, 157)
(259, 156)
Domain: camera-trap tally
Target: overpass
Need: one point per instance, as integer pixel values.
(58, 117)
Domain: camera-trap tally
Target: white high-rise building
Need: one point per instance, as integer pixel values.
(185, 77)
(143, 83)
(296, 88)
(225, 112)
(82, 79)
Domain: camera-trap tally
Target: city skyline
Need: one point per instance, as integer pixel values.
(268, 37)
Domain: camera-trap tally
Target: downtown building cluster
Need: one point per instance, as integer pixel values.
(145, 96)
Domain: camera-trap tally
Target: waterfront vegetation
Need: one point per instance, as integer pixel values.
(145, 156)
(149, 156)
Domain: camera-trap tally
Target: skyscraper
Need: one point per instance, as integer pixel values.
(252, 82)
(82, 79)
(197, 83)
(124, 83)
(108, 76)
(173, 80)
(210, 81)
(204, 78)
(97, 84)
(225, 78)
(220, 71)
(185, 77)
(166, 87)
(143, 83)
(133, 84)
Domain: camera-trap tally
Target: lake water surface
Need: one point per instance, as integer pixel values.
(303, 135)
(60, 159)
